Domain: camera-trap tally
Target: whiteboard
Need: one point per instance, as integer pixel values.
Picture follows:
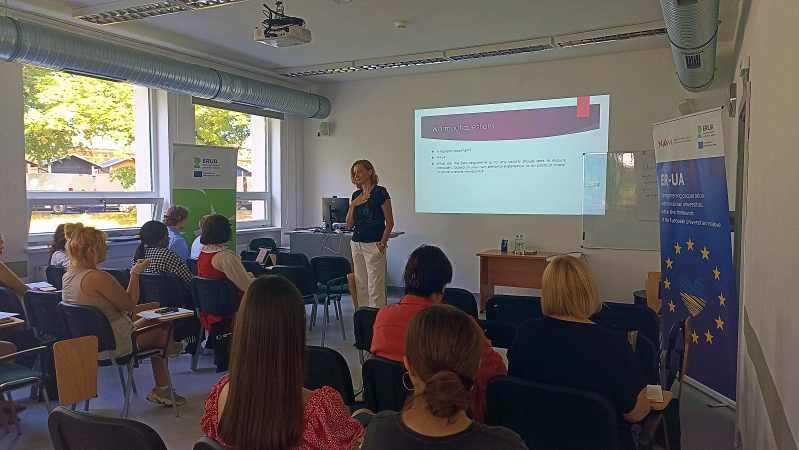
(630, 200)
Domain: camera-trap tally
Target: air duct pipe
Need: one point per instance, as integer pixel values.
(44, 46)
(692, 27)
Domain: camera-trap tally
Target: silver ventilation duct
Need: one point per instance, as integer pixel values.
(693, 27)
(39, 45)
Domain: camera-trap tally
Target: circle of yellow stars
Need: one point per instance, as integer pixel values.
(705, 252)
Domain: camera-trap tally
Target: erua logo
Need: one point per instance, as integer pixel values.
(675, 179)
(210, 161)
(665, 142)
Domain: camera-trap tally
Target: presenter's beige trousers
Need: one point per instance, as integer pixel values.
(369, 264)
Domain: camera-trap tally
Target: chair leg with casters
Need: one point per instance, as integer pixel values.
(86, 405)
(171, 388)
(198, 349)
(128, 385)
(327, 320)
(340, 316)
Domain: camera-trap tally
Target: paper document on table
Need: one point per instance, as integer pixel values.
(654, 393)
(152, 314)
(42, 286)
(7, 315)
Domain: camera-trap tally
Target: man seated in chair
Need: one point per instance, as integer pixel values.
(427, 273)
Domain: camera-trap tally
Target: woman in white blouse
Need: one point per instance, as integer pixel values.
(58, 253)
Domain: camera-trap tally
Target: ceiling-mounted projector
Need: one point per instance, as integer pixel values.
(280, 30)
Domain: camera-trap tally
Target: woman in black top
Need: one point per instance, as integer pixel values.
(372, 220)
(442, 354)
(566, 348)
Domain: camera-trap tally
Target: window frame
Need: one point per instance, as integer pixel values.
(151, 197)
(266, 194)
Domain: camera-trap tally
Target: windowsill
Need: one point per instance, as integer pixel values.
(45, 248)
(256, 230)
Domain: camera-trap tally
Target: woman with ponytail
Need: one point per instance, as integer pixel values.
(154, 237)
(442, 355)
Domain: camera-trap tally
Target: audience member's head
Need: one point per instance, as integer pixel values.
(361, 171)
(569, 289)
(59, 239)
(152, 234)
(442, 354)
(264, 408)
(427, 272)
(216, 229)
(86, 246)
(176, 216)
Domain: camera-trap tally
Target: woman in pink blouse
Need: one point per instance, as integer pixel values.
(261, 404)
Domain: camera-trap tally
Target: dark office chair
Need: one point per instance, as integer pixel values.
(170, 291)
(674, 353)
(72, 430)
(192, 263)
(461, 299)
(44, 316)
(254, 268)
(217, 298)
(326, 367)
(551, 417)
(207, 443)
(55, 276)
(363, 323)
(642, 327)
(513, 309)
(292, 259)
(331, 274)
(83, 320)
(121, 275)
(303, 279)
(382, 384)
(259, 243)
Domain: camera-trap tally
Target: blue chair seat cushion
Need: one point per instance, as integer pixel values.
(11, 372)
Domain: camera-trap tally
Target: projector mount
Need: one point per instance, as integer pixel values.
(277, 21)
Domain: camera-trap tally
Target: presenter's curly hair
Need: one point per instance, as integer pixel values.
(86, 246)
(366, 164)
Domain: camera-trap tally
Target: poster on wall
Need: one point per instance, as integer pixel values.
(204, 182)
(698, 281)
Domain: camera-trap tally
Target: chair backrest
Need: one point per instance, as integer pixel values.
(500, 334)
(76, 369)
(461, 299)
(364, 323)
(551, 417)
(207, 443)
(326, 268)
(513, 309)
(44, 316)
(382, 384)
(121, 275)
(248, 255)
(628, 317)
(55, 276)
(9, 302)
(166, 289)
(218, 297)
(192, 263)
(72, 430)
(253, 267)
(292, 259)
(674, 353)
(83, 320)
(301, 276)
(326, 367)
(259, 243)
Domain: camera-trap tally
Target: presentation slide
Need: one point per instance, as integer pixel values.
(512, 158)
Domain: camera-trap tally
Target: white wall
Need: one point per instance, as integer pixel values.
(768, 392)
(13, 201)
(374, 120)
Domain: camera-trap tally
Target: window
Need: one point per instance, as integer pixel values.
(247, 134)
(88, 151)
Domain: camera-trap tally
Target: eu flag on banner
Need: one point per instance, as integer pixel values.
(697, 275)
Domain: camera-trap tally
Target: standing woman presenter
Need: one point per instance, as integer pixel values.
(372, 220)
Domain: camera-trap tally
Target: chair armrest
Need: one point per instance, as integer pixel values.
(139, 331)
(11, 356)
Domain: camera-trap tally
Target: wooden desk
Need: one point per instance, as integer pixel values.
(507, 269)
(14, 322)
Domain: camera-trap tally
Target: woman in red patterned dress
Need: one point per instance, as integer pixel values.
(261, 404)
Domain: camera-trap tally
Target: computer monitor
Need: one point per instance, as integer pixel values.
(334, 210)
